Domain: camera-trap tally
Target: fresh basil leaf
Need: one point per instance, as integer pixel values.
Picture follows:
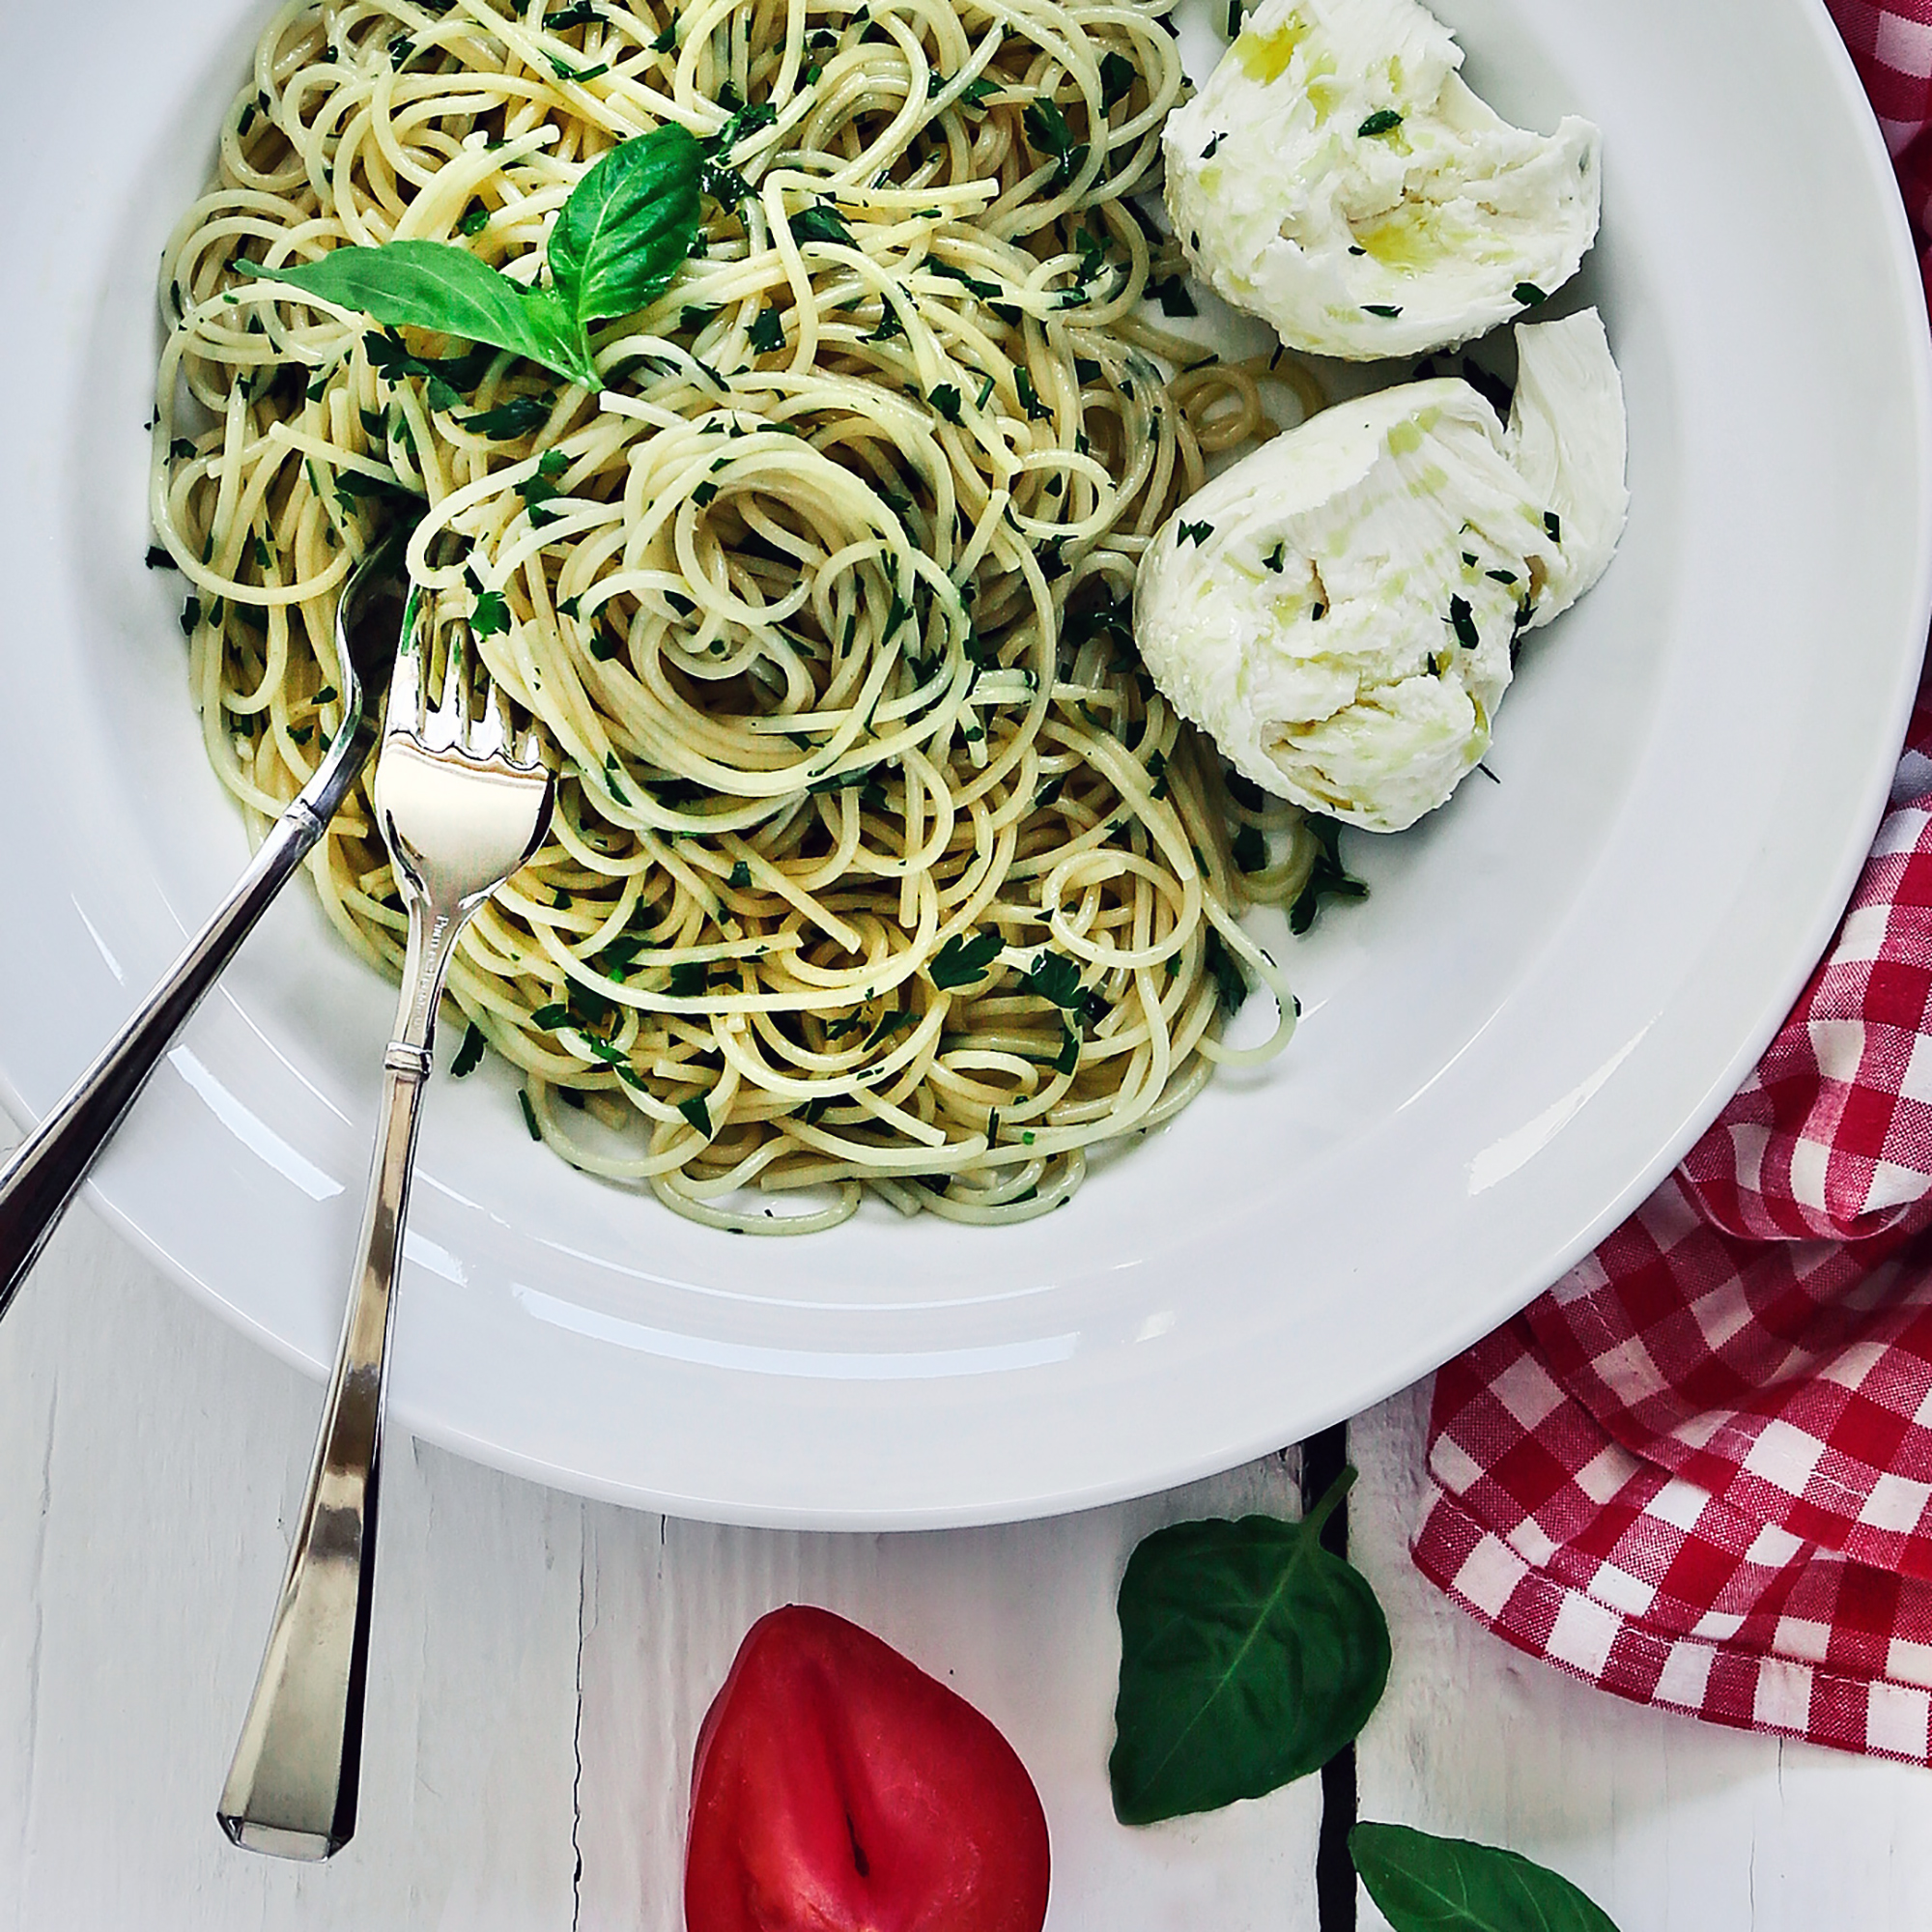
(1249, 1656)
(438, 286)
(628, 225)
(1424, 1884)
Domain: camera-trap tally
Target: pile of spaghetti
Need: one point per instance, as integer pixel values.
(878, 862)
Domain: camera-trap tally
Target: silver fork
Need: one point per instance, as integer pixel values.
(459, 814)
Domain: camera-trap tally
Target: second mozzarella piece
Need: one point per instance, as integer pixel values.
(1341, 610)
(1336, 177)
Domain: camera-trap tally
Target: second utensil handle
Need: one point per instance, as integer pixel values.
(292, 1787)
(43, 1172)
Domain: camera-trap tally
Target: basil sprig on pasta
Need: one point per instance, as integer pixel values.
(624, 233)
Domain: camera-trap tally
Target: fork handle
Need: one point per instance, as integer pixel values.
(47, 1168)
(292, 1787)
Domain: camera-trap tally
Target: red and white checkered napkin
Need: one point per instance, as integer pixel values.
(1698, 1472)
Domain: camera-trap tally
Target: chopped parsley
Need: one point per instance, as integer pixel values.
(1388, 311)
(767, 331)
(741, 876)
(520, 416)
(1530, 295)
(1384, 121)
(492, 615)
(1276, 558)
(1463, 621)
(962, 961)
(946, 400)
(1230, 983)
(1118, 74)
(1328, 879)
(987, 291)
(1553, 524)
(1194, 533)
(1171, 294)
(1213, 144)
(475, 218)
(1069, 1056)
(1047, 130)
(468, 1054)
(530, 1112)
(698, 1113)
(821, 222)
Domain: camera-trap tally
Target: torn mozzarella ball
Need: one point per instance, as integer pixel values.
(1341, 610)
(1336, 177)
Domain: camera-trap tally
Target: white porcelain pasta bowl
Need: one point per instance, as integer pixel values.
(1556, 984)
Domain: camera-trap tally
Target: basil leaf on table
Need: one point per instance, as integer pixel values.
(1249, 1657)
(625, 231)
(1424, 1884)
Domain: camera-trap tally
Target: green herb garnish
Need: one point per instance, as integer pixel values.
(1388, 311)
(821, 222)
(697, 1111)
(1384, 121)
(962, 961)
(1463, 621)
(520, 416)
(1194, 533)
(492, 615)
(1530, 295)
(622, 235)
(1329, 878)
(1171, 292)
(1047, 130)
(767, 331)
(470, 1053)
(1118, 74)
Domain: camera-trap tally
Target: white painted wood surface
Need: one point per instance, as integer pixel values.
(542, 1663)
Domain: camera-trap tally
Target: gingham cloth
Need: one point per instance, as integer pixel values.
(1698, 1472)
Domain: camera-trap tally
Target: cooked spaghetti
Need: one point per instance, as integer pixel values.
(878, 862)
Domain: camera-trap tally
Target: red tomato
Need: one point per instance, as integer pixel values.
(838, 1788)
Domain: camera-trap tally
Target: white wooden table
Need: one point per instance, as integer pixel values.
(541, 1664)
